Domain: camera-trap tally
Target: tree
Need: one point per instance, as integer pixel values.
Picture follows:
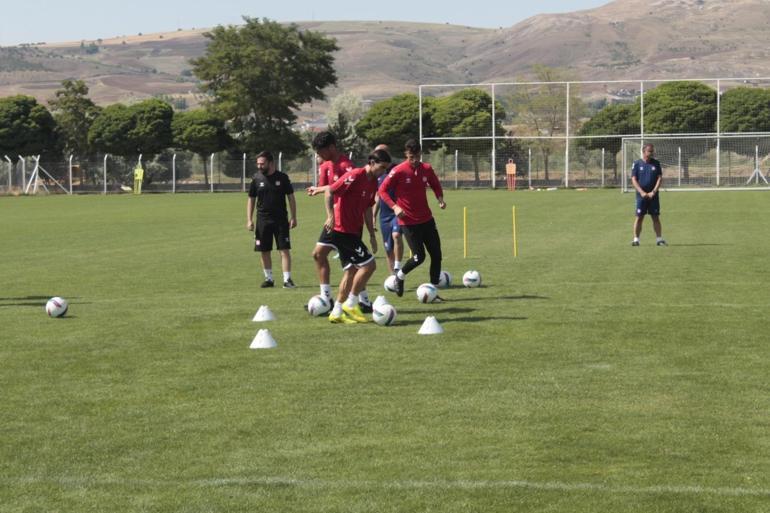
(144, 127)
(260, 73)
(74, 113)
(395, 120)
(109, 131)
(26, 128)
(200, 132)
(541, 110)
(347, 104)
(468, 113)
(745, 109)
(614, 119)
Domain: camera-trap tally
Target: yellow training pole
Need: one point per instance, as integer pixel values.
(465, 232)
(515, 244)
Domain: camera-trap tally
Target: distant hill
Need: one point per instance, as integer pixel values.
(624, 39)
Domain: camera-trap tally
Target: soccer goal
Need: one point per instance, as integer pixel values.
(704, 162)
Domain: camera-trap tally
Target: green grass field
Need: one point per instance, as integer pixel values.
(585, 376)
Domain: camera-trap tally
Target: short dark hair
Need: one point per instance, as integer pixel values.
(266, 155)
(648, 145)
(412, 146)
(324, 140)
(379, 156)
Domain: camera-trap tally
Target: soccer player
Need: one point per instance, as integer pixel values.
(269, 191)
(410, 180)
(647, 176)
(354, 194)
(334, 165)
(391, 230)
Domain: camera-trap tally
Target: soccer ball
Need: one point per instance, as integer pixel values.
(390, 283)
(426, 293)
(384, 314)
(444, 280)
(472, 279)
(318, 305)
(56, 307)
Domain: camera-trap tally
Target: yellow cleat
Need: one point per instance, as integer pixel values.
(355, 313)
(340, 319)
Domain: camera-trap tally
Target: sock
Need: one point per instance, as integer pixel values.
(352, 300)
(287, 276)
(337, 310)
(636, 239)
(658, 239)
(400, 275)
(326, 290)
(269, 274)
(397, 265)
(363, 297)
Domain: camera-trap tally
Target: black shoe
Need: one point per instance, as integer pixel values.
(662, 242)
(267, 284)
(366, 307)
(399, 287)
(288, 284)
(635, 243)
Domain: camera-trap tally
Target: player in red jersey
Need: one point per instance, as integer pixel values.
(354, 195)
(334, 164)
(409, 180)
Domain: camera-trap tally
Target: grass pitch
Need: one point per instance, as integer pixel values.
(586, 375)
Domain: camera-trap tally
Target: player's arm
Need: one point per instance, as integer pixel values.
(329, 204)
(292, 211)
(435, 184)
(376, 210)
(658, 183)
(369, 220)
(250, 213)
(383, 193)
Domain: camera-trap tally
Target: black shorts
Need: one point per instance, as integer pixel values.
(267, 230)
(352, 250)
(325, 239)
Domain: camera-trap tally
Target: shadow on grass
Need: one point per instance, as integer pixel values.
(505, 298)
(442, 310)
(479, 318)
(696, 244)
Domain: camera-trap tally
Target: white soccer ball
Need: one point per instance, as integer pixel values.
(56, 307)
(318, 305)
(426, 293)
(390, 283)
(472, 279)
(384, 314)
(444, 280)
(379, 301)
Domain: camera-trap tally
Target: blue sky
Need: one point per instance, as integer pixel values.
(27, 21)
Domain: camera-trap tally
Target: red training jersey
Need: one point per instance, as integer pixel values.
(409, 185)
(354, 192)
(330, 171)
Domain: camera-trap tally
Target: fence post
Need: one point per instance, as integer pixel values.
(457, 165)
(211, 174)
(529, 168)
(104, 173)
(10, 173)
(679, 166)
(280, 161)
(173, 174)
(314, 167)
(23, 172)
(719, 131)
(243, 179)
(69, 171)
(494, 141)
(603, 167)
(566, 143)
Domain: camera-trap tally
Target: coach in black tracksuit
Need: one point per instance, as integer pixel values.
(269, 190)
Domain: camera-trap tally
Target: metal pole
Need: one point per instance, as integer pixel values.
(756, 160)
(23, 172)
(566, 143)
(679, 165)
(419, 113)
(457, 165)
(641, 120)
(603, 167)
(173, 174)
(69, 169)
(529, 168)
(10, 172)
(314, 167)
(243, 180)
(719, 139)
(494, 141)
(280, 160)
(104, 173)
(211, 174)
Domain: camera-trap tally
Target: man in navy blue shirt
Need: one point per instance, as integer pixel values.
(646, 176)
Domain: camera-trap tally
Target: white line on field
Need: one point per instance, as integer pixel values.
(406, 485)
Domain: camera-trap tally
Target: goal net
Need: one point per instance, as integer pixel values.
(704, 162)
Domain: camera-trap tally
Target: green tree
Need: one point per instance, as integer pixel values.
(74, 113)
(109, 131)
(614, 119)
(395, 120)
(200, 132)
(26, 128)
(260, 73)
(468, 113)
(745, 109)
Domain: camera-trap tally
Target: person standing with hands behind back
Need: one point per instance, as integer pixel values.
(269, 191)
(647, 176)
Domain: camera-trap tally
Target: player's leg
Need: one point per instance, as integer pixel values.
(414, 238)
(387, 242)
(283, 243)
(655, 215)
(263, 242)
(337, 315)
(433, 246)
(365, 266)
(323, 247)
(641, 211)
(398, 245)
